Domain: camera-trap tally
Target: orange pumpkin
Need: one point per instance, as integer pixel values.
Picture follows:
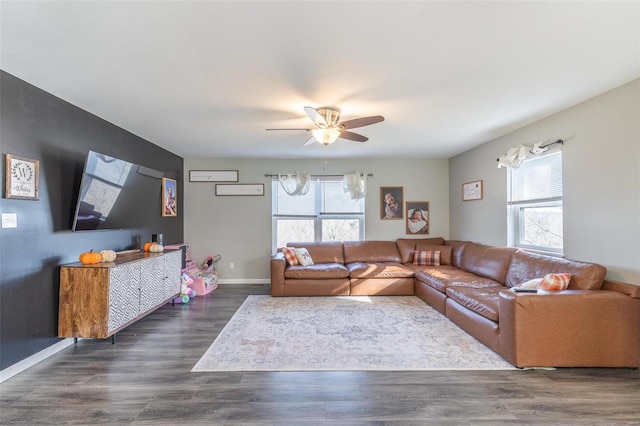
(148, 245)
(90, 257)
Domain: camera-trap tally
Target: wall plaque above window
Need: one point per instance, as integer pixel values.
(213, 176)
(22, 177)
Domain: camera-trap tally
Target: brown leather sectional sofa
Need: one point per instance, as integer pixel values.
(594, 323)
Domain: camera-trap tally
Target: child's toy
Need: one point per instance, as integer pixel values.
(210, 263)
(186, 292)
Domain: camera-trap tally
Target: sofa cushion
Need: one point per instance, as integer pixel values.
(317, 271)
(378, 270)
(322, 252)
(371, 251)
(290, 255)
(406, 246)
(303, 256)
(487, 261)
(457, 248)
(441, 277)
(483, 301)
(445, 252)
(526, 266)
(426, 257)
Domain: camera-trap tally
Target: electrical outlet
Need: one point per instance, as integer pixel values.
(232, 265)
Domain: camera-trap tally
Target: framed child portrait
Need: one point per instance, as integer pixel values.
(417, 217)
(169, 197)
(391, 202)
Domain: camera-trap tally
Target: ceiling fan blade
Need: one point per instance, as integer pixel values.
(310, 141)
(353, 136)
(308, 130)
(360, 122)
(315, 116)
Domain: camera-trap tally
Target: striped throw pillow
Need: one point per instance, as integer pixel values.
(426, 258)
(290, 255)
(555, 282)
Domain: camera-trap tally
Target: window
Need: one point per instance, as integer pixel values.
(535, 204)
(325, 213)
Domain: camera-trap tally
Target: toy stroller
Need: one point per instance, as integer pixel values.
(210, 263)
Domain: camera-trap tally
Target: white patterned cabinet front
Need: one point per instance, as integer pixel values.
(124, 294)
(172, 273)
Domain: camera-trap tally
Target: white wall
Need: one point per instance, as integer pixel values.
(239, 228)
(601, 167)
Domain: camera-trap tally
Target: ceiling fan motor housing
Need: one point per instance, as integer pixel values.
(331, 115)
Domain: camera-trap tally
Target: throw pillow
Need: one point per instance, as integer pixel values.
(304, 258)
(445, 251)
(290, 255)
(555, 282)
(426, 258)
(531, 284)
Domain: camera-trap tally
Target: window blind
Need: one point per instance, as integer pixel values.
(538, 179)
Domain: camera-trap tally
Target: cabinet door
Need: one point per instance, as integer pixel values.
(124, 294)
(151, 283)
(172, 272)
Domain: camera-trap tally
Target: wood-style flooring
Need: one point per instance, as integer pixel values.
(145, 378)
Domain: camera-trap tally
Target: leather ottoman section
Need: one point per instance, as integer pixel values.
(483, 301)
(382, 287)
(483, 329)
(378, 270)
(430, 295)
(333, 287)
(316, 271)
(442, 277)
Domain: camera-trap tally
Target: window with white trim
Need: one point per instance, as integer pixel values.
(325, 213)
(534, 204)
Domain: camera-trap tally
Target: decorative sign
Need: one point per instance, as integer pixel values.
(22, 178)
(472, 190)
(213, 175)
(240, 189)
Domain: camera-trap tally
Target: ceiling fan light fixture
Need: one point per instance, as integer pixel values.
(326, 136)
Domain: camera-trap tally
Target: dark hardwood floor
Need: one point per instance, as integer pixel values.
(145, 378)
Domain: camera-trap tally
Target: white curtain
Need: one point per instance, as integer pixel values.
(296, 183)
(355, 185)
(517, 154)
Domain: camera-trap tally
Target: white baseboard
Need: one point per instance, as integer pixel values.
(19, 367)
(244, 281)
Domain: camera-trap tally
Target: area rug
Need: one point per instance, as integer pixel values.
(390, 333)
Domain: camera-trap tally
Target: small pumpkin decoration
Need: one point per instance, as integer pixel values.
(90, 257)
(156, 248)
(108, 255)
(148, 245)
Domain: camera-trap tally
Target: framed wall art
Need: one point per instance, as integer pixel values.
(169, 197)
(472, 190)
(22, 178)
(391, 201)
(417, 217)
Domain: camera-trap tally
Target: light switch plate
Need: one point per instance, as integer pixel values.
(9, 220)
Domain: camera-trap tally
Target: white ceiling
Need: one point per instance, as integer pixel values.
(206, 78)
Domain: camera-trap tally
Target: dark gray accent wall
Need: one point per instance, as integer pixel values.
(37, 125)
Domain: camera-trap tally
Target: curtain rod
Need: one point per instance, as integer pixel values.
(560, 141)
(275, 176)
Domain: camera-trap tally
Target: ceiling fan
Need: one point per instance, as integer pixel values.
(328, 128)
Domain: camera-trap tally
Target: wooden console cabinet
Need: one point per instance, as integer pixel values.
(97, 301)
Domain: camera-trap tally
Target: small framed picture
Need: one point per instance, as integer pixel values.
(169, 197)
(417, 217)
(239, 189)
(22, 178)
(213, 176)
(472, 190)
(391, 201)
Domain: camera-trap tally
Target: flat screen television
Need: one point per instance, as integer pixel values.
(116, 194)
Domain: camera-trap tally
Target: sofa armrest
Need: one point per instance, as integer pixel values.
(278, 265)
(571, 328)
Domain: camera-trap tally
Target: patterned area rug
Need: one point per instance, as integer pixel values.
(344, 333)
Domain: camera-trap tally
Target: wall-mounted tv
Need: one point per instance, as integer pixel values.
(116, 194)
